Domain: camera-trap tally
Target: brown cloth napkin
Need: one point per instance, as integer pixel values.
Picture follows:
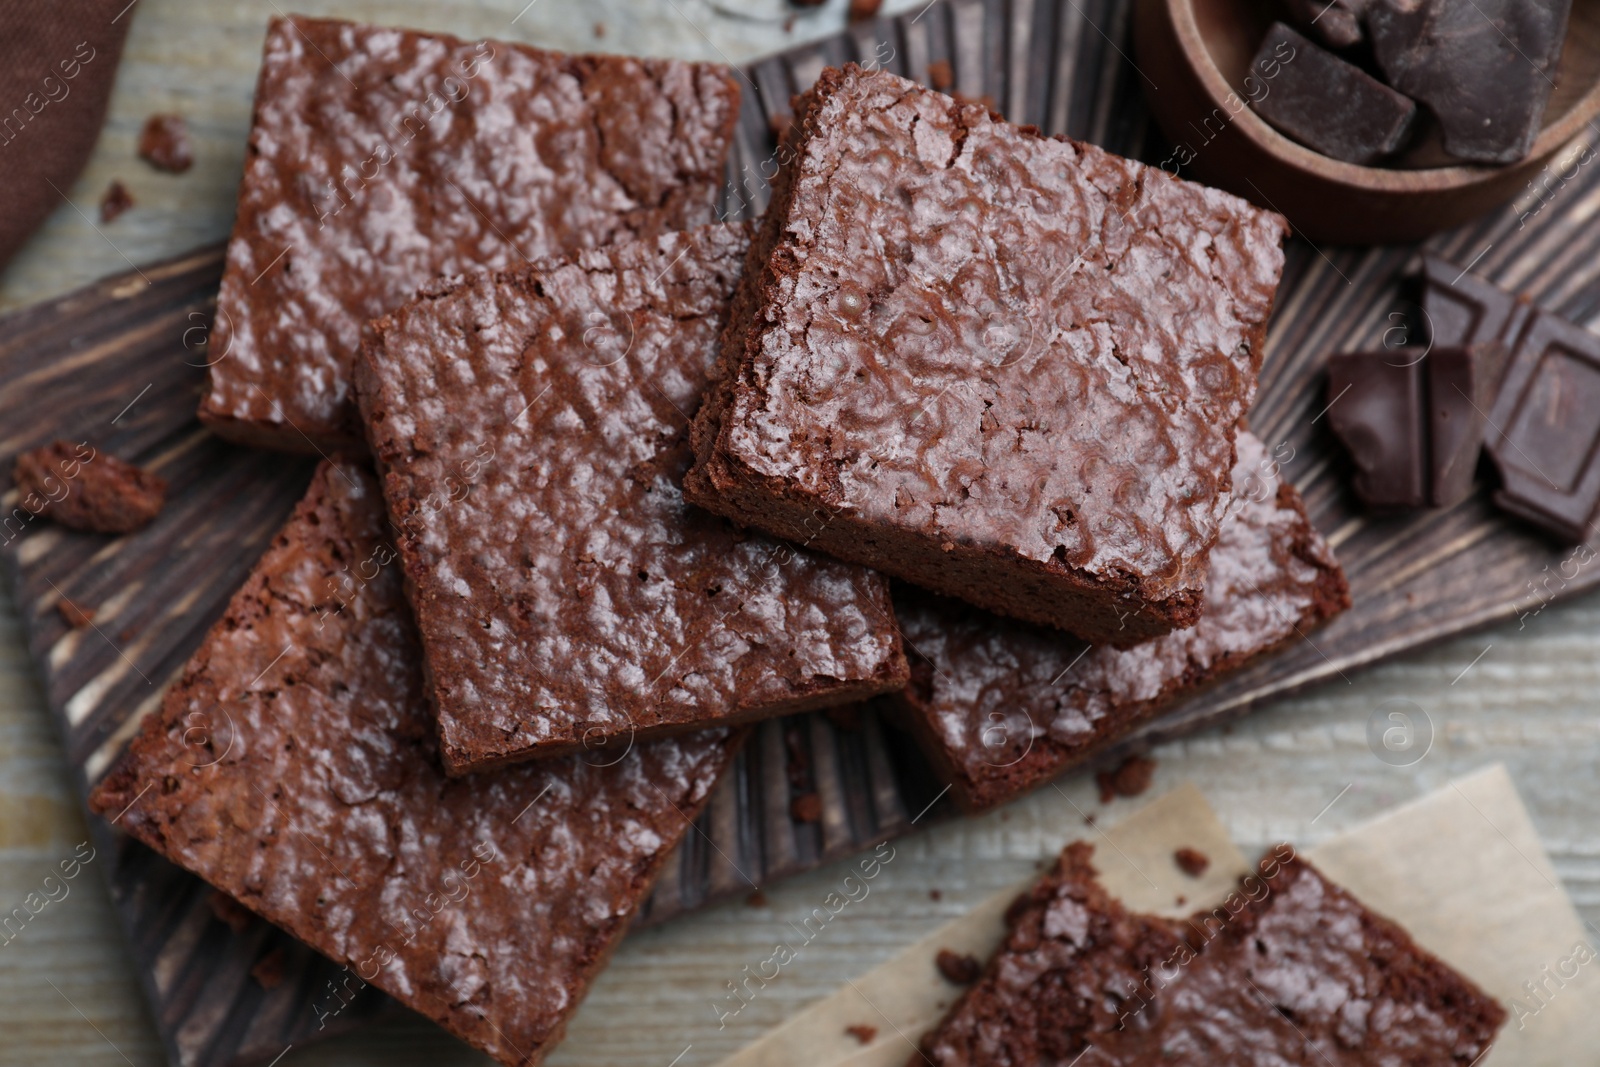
(57, 62)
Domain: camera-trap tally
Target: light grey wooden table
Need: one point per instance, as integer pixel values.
(1528, 696)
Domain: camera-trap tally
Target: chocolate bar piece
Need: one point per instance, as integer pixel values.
(1485, 68)
(1413, 425)
(1328, 105)
(1463, 309)
(1337, 23)
(1546, 425)
(1461, 387)
(1545, 420)
(1375, 407)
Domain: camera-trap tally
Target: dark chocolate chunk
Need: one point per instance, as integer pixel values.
(1545, 428)
(1414, 425)
(1375, 406)
(1326, 104)
(1336, 23)
(1461, 390)
(1463, 309)
(1485, 68)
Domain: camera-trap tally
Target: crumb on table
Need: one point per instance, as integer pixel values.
(74, 615)
(862, 1032)
(807, 807)
(958, 967)
(115, 202)
(268, 971)
(164, 143)
(84, 489)
(1128, 780)
(1191, 861)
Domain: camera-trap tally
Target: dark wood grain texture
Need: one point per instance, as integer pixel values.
(121, 364)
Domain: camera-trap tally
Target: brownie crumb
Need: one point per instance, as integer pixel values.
(934, 894)
(862, 1032)
(758, 899)
(73, 614)
(1128, 780)
(268, 971)
(807, 807)
(115, 202)
(1180, 901)
(87, 490)
(861, 10)
(599, 30)
(1191, 861)
(941, 75)
(164, 143)
(230, 911)
(958, 967)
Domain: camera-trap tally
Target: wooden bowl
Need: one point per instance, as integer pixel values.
(1195, 55)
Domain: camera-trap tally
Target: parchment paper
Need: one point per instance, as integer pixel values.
(1462, 869)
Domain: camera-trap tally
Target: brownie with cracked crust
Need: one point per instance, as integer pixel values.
(83, 488)
(532, 429)
(382, 159)
(1001, 707)
(1289, 969)
(1005, 367)
(294, 766)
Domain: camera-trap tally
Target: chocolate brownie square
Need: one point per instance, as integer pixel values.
(1006, 367)
(1001, 707)
(382, 159)
(294, 767)
(1289, 969)
(532, 428)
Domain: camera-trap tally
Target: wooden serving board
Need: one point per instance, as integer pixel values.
(121, 364)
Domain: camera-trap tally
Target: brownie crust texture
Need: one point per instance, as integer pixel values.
(1005, 367)
(532, 429)
(1001, 707)
(382, 159)
(294, 766)
(1290, 969)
